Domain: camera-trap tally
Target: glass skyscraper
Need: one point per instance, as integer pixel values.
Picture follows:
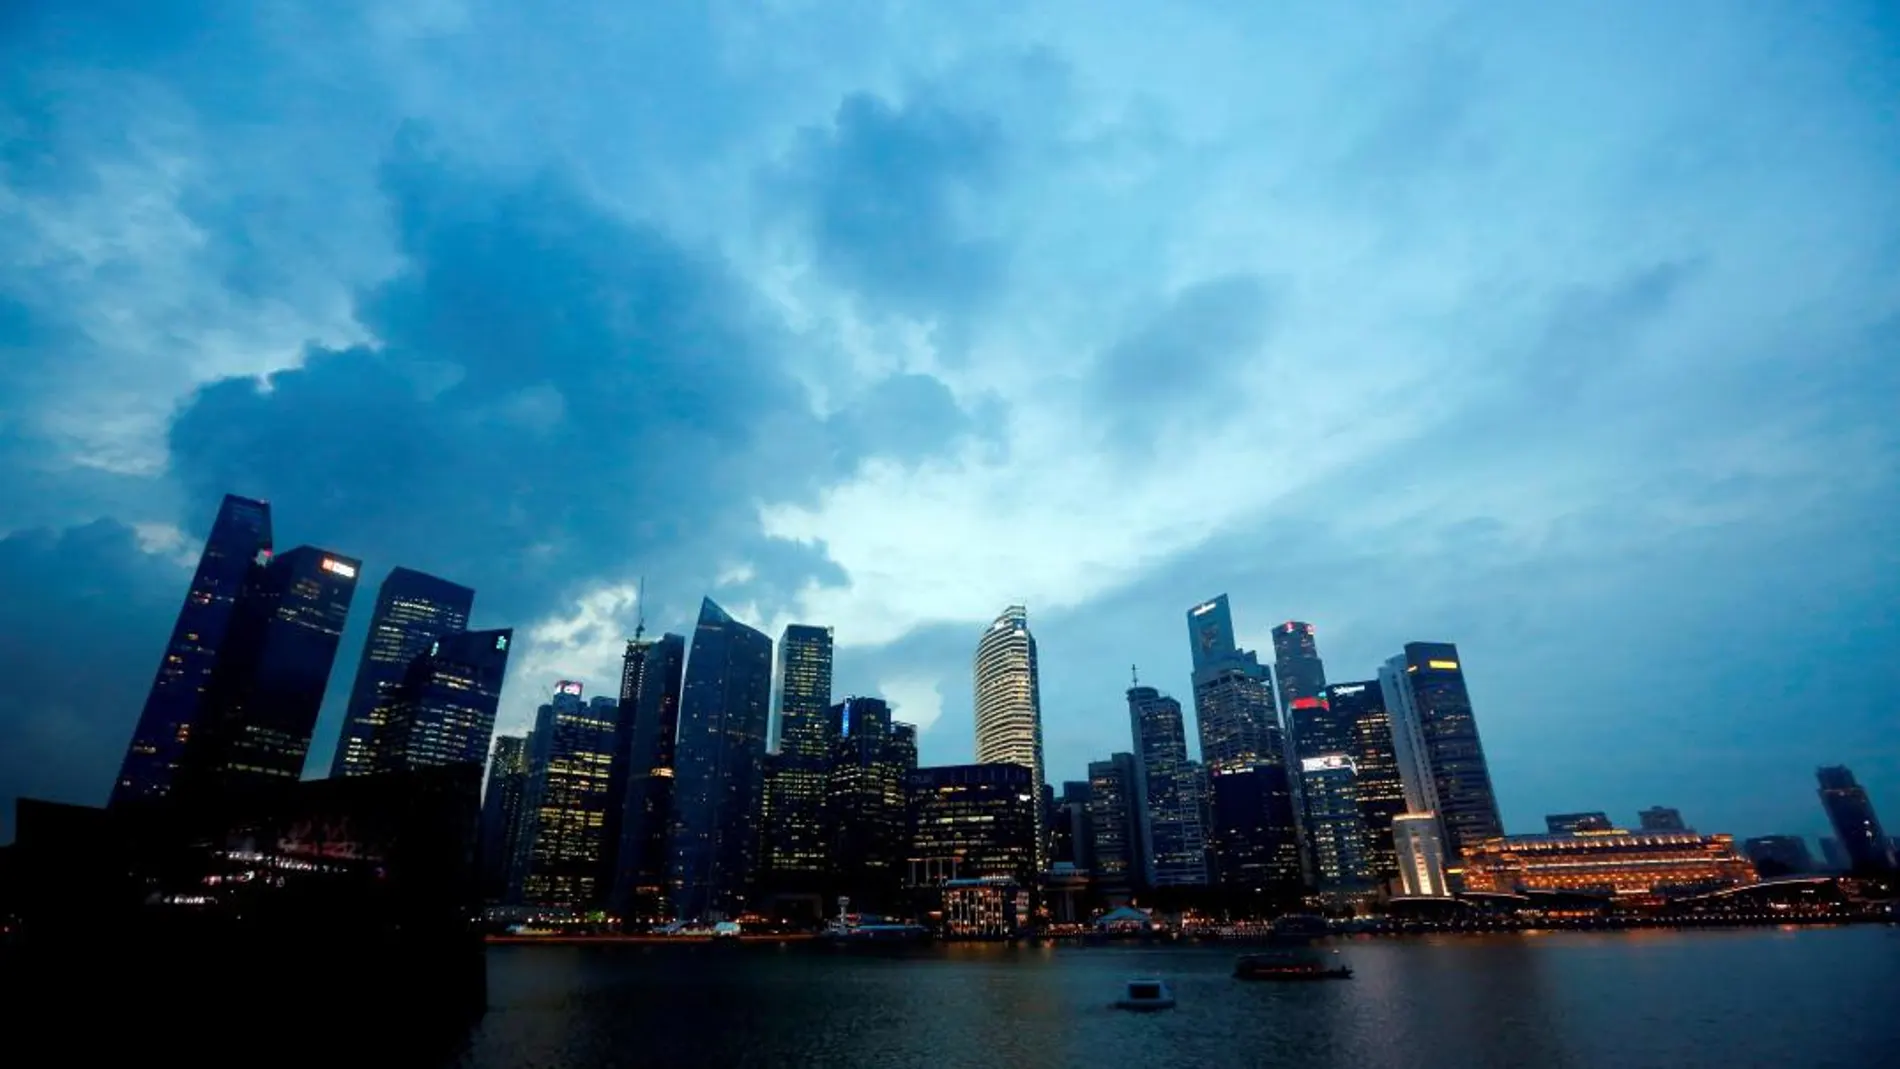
(1115, 804)
(413, 609)
(971, 822)
(271, 672)
(443, 710)
(1856, 825)
(1325, 743)
(795, 843)
(1174, 844)
(502, 814)
(175, 704)
(647, 805)
(1435, 737)
(1009, 704)
(1296, 663)
(864, 823)
(719, 767)
(1380, 794)
(570, 768)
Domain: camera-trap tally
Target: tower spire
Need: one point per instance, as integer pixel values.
(640, 605)
(1134, 676)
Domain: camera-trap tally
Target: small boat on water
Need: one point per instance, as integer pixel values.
(1290, 966)
(1146, 995)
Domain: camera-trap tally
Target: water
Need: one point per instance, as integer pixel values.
(1811, 998)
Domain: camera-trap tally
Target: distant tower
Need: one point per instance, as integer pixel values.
(1009, 705)
(1661, 818)
(443, 710)
(572, 752)
(501, 815)
(1174, 843)
(1856, 825)
(1435, 736)
(412, 611)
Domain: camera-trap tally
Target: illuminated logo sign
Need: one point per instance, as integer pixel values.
(1349, 688)
(1203, 609)
(566, 686)
(347, 571)
(501, 642)
(1332, 762)
(1309, 703)
(435, 648)
(1449, 666)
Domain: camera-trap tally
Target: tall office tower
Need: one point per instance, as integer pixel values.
(1435, 737)
(1572, 823)
(1855, 824)
(647, 806)
(1833, 855)
(1009, 705)
(1325, 741)
(272, 669)
(501, 814)
(1778, 855)
(1421, 855)
(1174, 845)
(1661, 818)
(1074, 836)
(719, 767)
(569, 770)
(443, 711)
(1254, 833)
(176, 702)
(1296, 663)
(633, 666)
(1380, 794)
(864, 815)
(1115, 806)
(412, 611)
(971, 822)
(795, 837)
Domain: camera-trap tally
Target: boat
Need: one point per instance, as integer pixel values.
(1285, 966)
(1145, 996)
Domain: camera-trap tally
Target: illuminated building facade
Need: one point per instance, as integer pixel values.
(1173, 844)
(570, 769)
(412, 611)
(1572, 823)
(1324, 743)
(1613, 862)
(1296, 663)
(1421, 855)
(647, 802)
(1435, 736)
(1009, 705)
(271, 672)
(1376, 785)
(1661, 818)
(175, 704)
(995, 908)
(502, 807)
(1855, 823)
(971, 822)
(443, 711)
(719, 767)
(863, 821)
(1115, 804)
(795, 835)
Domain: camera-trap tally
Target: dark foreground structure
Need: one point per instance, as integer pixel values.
(323, 920)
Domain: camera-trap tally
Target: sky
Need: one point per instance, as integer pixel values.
(1564, 332)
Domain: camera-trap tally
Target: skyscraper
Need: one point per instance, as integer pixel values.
(1256, 851)
(1778, 855)
(1325, 742)
(1296, 663)
(443, 710)
(633, 665)
(175, 704)
(501, 814)
(569, 771)
(795, 836)
(1421, 855)
(866, 833)
(1115, 806)
(971, 822)
(1174, 845)
(1855, 823)
(719, 767)
(647, 806)
(271, 672)
(1661, 818)
(1436, 740)
(1380, 793)
(412, 611)
(1009, 704)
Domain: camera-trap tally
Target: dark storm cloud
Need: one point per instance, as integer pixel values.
(1191, 350)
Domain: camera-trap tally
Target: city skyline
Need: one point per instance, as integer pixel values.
(882, 319)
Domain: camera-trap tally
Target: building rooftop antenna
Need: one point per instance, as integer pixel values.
(640, 604)
(1134, 676)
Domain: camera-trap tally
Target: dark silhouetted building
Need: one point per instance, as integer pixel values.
(633, 666)
(1115, 807)
(1380, 793)
(175, 704)
(1296, 663)
(1661, 818)
(502, 816)
(1173, 842)
(570, 768)
(864, 819)
(271, 672)
(647, 808)
(1572, 823)
(1074, 833)
(971, 822)
(1833, 855)
(1855, 824)
(412, 611)
(719, 767)
(443, 711)
(1778, 855)
(1257, 853)
(1435, 735)
(796, 840)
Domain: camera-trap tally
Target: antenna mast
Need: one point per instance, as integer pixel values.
(640, 604)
